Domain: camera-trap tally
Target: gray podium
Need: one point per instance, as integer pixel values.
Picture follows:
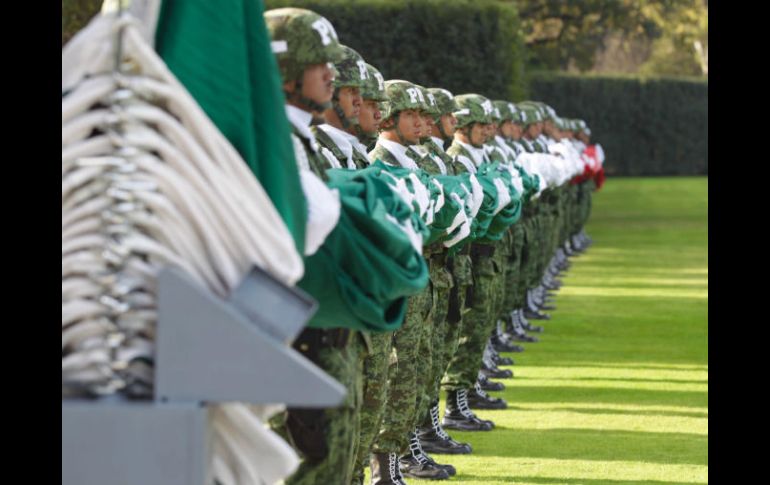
(208, 350)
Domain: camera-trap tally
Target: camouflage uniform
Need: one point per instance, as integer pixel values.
(477, 323)
(400, 411)
(336, 144)
(326, 439)
(377, 362)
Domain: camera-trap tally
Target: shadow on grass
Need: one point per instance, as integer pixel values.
(604, 395)
(619, 379)
(555, 480)
(631, 366)
(628, 412)
(590, 444)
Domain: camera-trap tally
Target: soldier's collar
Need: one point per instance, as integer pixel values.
(398, 151)
(439, 142)
(300, 120)
(477, 154)
(340, 138)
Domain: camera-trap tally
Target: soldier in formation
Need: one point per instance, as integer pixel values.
(500, 193)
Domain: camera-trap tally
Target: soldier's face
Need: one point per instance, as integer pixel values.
(531, 131)
(516, 131)
(584, 138)
(478, 134)
(370, 116)
(410, 125)
(506, 128)
(490, 130)
(350, 101)
(317, 83)
(427, 125)
(449, 124)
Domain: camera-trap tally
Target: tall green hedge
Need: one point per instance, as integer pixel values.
(461, 45)
(646, 126)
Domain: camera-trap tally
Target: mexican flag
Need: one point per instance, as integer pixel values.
(221, 52)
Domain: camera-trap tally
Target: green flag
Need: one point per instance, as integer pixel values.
(221, 52)
(367, 266)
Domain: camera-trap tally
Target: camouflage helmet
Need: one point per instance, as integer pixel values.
(431, 103)
(582, 126)
(445, 100)
(374, 86)
(301, 38)
(534, 111)
(546, 111)
(472, 108)
(496, 115)
(402, 95)
(515, 113)
(561, 123)
(529, 113)
(550, 112)
(506, 110)
(351, 69)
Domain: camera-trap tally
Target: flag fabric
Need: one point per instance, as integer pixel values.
(221, 52)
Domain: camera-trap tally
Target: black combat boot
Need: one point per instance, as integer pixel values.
(385, 469)
(488, 385)
(496, 357)
(491, 370)
(526, 325)
(500, 344)
(416, 464)
(434, 439)
(458, 415)
(478, 399)
(532, 311)
(519, 335)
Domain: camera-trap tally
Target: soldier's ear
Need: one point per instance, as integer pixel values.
(387, 124)
(289, 86)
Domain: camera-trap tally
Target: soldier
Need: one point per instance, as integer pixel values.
(335, 137)
(433, 438)
(468, 155)
(305, 45)
(367, 129)
(510, 133)
(377, 361)
(402, 126)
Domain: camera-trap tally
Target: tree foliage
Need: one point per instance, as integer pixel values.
(562, 35)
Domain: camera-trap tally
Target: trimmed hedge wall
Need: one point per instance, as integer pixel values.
(646, 126)
(460, 45)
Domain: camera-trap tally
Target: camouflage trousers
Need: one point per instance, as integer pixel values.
(432, 364)
(584, 204)
(375, 396)
(400, 412)
(477, 324)
(338, 428)
(532, 247)
(514, 292)
(501, 257)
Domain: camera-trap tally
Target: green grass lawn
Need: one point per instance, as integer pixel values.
(616, 391)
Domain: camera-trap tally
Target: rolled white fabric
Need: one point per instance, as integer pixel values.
(421, 194)
(148, 182)
(477, 193)
(503, 195)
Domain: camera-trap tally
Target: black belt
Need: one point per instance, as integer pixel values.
(312, 340)
(439, 258)
(482, 250)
